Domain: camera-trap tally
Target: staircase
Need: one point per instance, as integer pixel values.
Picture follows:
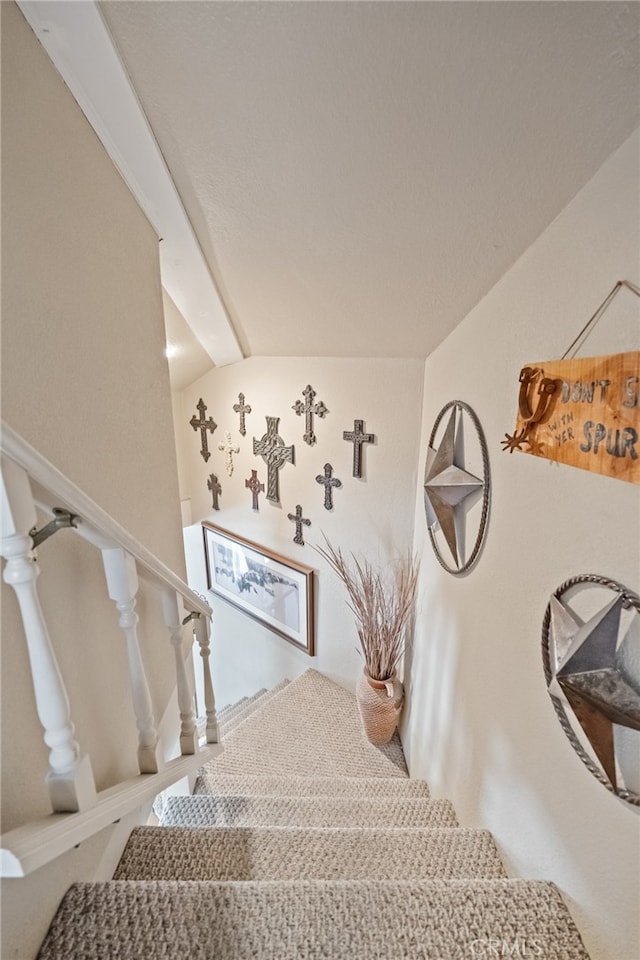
(304, 841)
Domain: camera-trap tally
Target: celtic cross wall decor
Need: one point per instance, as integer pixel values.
(450, 490)
(272, 449)
(253, 483)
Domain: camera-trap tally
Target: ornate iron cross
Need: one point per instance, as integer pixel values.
(203, 425)
(240, 408)
(329, 482)
(309, 408)
(216, 490)
(357, 438)
(228, 448)
(298, 519)
(256, 488)
(274, 453)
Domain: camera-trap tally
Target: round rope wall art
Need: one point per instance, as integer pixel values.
(591, 659)
(451, 492)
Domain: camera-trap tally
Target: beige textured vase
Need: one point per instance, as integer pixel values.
(379, 703)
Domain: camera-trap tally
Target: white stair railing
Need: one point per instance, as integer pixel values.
(69, 779)
(203, 633)
(122, 584)
(188, 733)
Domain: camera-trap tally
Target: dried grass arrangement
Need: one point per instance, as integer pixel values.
(382, 603)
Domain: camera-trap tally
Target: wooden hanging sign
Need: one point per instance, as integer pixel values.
(583, 412)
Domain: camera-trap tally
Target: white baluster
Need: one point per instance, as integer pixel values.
(70, 778)
(188, 731)
(202, 636)
(122, 584)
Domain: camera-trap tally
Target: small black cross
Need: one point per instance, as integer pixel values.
(274, 453)
(240, 408)
(328, 482)
(298, 519)
(256, 488)
(309, 408)
(216, 490)
(203, 425)
(357, 438)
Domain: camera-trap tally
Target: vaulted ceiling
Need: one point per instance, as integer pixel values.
(359, 174)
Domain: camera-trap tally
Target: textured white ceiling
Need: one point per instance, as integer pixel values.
(359, 174)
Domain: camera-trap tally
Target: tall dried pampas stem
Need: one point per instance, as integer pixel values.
(382, 604)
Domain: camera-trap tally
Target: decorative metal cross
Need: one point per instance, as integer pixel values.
(298, 519)
(203, 425)
(357, 438)
(309, 408)
(274, 453)
(328, 481)
(216, 490)
(256, 488)
(228, 448)
(240, 408)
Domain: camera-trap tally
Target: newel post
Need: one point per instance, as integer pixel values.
(70, 779)
(201, 624)
(122, 584)
(188, 730)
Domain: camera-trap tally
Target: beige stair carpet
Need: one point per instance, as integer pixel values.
(257, 701)
(312, 728)
(304, 842)
(267, 853)
(309, 920)
(276, 786)
(208, 811)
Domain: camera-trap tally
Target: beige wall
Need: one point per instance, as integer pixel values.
(480, 726)
(84, 375)
(84, 379)
(373, 514)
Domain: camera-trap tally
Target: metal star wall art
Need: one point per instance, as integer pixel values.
(590, 675)
(447, 487)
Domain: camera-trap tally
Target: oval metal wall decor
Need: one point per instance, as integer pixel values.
(591, 658)
(451, 492)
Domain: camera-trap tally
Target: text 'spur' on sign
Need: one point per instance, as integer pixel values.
(583, 412)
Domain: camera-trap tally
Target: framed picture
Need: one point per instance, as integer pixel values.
(276, 592)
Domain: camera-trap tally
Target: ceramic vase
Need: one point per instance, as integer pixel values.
(379, 703)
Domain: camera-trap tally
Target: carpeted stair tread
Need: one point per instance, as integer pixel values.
(309, 920)
(312, 728)
(229, 708)
(206, 810)
(257, 701)
(259, 853)
(277, 786)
